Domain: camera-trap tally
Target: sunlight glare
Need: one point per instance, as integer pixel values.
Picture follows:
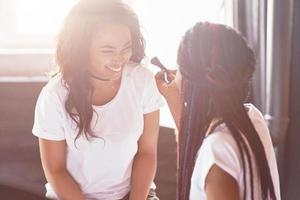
(40, 17)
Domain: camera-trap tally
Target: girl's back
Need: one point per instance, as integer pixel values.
(220, 148)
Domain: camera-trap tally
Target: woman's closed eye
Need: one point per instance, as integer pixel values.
(109, 52)
(127, 49)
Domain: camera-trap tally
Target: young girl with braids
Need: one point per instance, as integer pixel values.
(225, 149)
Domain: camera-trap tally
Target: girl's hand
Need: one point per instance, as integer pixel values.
(166, 89)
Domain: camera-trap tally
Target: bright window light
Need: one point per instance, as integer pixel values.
(40, 17)
(164, 22)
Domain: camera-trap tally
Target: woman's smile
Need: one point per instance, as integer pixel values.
(114, 69)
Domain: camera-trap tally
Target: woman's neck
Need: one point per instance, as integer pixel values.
(104, 91)
(99, 83)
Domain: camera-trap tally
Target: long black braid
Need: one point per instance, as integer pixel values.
(219, 52)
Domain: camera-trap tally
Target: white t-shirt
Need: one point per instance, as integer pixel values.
(221, 149)
(101, 166)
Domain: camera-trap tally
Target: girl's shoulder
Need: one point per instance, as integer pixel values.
(253, 112)
(222, 133)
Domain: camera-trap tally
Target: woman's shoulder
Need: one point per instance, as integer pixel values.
(138, 71)
(56, 86)
(139, 75)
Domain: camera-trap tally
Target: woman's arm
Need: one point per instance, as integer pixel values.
(220, 185)
(53, 156)
(145, 161)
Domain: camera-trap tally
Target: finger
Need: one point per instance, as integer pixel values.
(171, 74)
(171, 77)
(159, 78)
(160, 75)
(172, 71)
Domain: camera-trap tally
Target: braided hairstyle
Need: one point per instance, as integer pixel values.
(216, 65)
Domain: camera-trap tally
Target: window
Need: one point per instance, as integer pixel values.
(31, 23)
(27, 35)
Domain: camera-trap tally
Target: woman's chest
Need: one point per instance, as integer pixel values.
(117, 124)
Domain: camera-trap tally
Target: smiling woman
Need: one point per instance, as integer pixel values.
(111, 47)
(97, 119)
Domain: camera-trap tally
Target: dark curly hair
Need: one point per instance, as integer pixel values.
(72, 52)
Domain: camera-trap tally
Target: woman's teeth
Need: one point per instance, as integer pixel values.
(114, 69)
